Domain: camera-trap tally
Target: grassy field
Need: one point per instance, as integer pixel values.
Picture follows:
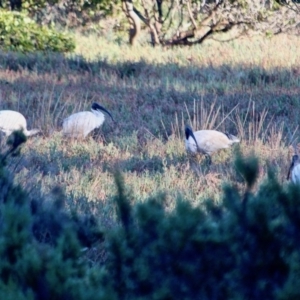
(248, 87)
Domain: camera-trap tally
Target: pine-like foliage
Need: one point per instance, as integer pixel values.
(247, 247)
(244, 248)
(31, 268)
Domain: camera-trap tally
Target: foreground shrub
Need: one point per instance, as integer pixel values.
(247, 247)
(35, 268)
(20, 33)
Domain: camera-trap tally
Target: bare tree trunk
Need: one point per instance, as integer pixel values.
(155, 26)
(134, 21)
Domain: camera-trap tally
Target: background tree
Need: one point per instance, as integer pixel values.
(170, 22)
(189, 22)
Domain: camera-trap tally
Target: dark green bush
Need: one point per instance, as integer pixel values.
(20, 33)
(247, 247)
(36, 268)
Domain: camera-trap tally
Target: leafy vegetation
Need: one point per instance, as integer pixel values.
(19, 33)
(168, 23)
(39, 244)
(83, 15)
(244, 248)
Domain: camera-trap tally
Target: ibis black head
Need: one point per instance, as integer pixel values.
(96, 106)
(188, 132)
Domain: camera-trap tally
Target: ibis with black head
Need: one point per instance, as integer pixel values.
(207, 141)
(80, 124)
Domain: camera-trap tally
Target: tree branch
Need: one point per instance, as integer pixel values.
(191, 14)
(128, 8)
(154, 35)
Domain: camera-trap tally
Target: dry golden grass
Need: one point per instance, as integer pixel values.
(249, 87)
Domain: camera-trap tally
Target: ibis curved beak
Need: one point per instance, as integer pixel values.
(99, 107)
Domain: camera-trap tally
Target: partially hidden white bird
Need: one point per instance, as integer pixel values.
(207, 141)
(294, 170)
(80, 124)
(11, 120)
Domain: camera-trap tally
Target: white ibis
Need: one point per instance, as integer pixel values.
(80, 124)
(294, 171)
(11, 120)
(207, 141)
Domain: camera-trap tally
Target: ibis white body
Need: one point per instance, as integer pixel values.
(294, 171)
(11, 120)
(80, 124)
(207, 141)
